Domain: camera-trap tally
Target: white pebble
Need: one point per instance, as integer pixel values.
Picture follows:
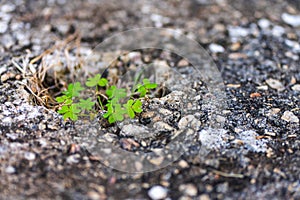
(10, 170)
(215, 48)
(296, 87)
(264, 23)
(157, 192)
(29, 156)
(293, 20)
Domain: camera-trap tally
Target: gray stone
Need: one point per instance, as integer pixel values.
(290, 117)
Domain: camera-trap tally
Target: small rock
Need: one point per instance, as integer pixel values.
(236, 56)
(135, 131)
(296, 87)
(188, 189)
(216, 48)
(290, 117)
(275, 84)
(293, 20)
(7, 40)
(93, 195)
(159, 20)
(189, 121)
(183, 164)
(183, 63)
(236, 32)
(4, 77)
(264, 23)
(157, 161)
(204, 197)
(235, 46)
(3, 26)
(29, 156)
(162, 126)
(278, 31)
(157, 192)
(6, 8)
(10, 170)
(293, 44)
(262, 87)
(73, 159)
(7, 120)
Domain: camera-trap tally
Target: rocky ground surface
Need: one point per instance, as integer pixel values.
(256, 154)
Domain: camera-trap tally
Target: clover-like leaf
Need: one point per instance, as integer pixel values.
(102, 82)
(93, 81)
(69, 111)
(114, 92)
(73, 90)
(148, 84)
(137, 106)
(86, 104)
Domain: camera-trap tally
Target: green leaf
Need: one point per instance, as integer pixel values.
(142, 90)
(114, 92)
(137, 106)
(64, 99)
(70, 111)
(148, 84)
(61, 99)
(102, 82)
(93, 81)
(151, 85)
(111, 119)
(146, 81)
(63, 109)
(73, 90)
(86, 104)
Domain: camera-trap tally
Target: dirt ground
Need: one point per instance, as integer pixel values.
(256, 47)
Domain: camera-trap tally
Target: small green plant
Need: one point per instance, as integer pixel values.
(71, 106)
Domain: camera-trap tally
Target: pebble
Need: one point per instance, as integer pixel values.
(290, 117)
(183, 63)
(7, 40)
(157, 192)
(293, 44)
(6, 8)
(296, 87)
(73, 158)
(10, 170)
(159, 20)
(183, 164)
(188, 189)
(275, 84)
(264, 23)
(189, 121)
(204, 197)
(278, 31)
(7, 120)
(3, 26)
(216, 48)
(29, 156)
(4, 77)
(134, 130)
(237, 31)
(293, 20)
(157, 161)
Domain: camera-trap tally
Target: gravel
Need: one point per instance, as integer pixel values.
(255, 154)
